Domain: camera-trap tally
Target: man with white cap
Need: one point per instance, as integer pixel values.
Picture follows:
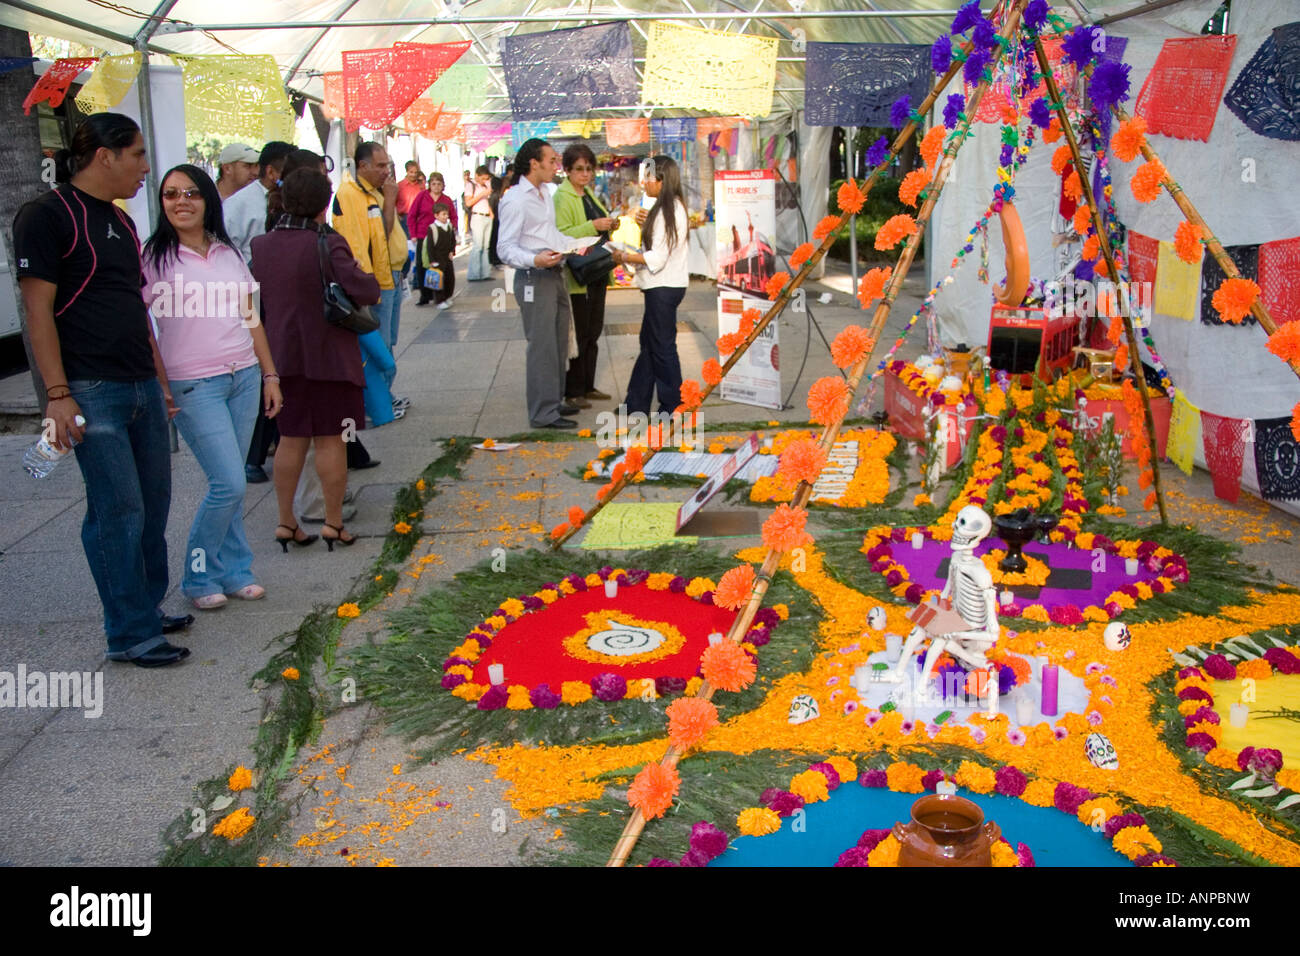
(236, 168)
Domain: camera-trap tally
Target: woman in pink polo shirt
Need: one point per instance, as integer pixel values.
(201, 296)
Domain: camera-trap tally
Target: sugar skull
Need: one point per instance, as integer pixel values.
(803, 708)
(876, 618)
(971, 527)
(1116, 636)
(1101, 752)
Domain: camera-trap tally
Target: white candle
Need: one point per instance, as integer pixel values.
(1237, 714)
(1024, 710)
(611, 587)
(992, 690)
(715, 638)
(893, 648)
(946, 786)
(497, 673)
(1005, 598)
(1131, 566)
(917, 540)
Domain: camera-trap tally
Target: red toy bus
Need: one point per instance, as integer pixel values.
(1019, 336)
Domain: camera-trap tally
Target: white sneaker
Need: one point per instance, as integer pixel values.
(401, 402)
(444, 305)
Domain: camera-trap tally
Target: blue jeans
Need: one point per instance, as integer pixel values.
(217, 416)
(390, 313)
(480, 265)
(657, 368)
(124, 459)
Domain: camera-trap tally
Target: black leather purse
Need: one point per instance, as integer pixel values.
(340, 310)
(594, 266)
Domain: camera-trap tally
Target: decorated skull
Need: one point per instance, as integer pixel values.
(876, 618)
(1101, 752)
(971, 527)
(803, 708)
(950, 383)
(1116, 637)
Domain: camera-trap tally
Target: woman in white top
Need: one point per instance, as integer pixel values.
(663, 281)
(480, 226)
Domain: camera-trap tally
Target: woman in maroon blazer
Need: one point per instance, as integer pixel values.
(319, 364)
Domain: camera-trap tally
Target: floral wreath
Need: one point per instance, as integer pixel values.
(458, 668)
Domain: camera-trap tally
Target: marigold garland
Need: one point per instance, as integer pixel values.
(1091, 248)
(1060, 158)
(1082, 221)
(828, 400)
(727, 667)
(905, 777)
(774, 285)
(896, 228)
(911, 186)
(784, 529)
(691, 395)
(850, 197)
(576, 516)
(811, 786)
(931, 147)
(851, 346)
(1053, 131)
(871, 287)
(1073, 186)
(1187, 241)
(729, 342)
(1148, 180)
(802, 460)
(711, 372)
(653, 790)
(1233, 299)
(758, 821)
(689, 721)
(1129, 139)
(801, 254)
(734, 587)
(827, 225)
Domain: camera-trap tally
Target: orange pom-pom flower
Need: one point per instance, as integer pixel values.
(1115, 331)
(1146, 181)
(1091, 248)
(748, 319)
(1082, 219)
(1073, 186)
(653, 790)
(1121, 358)
(689, 721)
(852, 345)
(872, 286)
(896, 228)
(634, 459)
(711, 372)
(576, 516)
(932, 146)
(729, 343)
(727, 667)
(691, 396)
(801, 255)
(734, 587)
(851, 199)
(1060, 158)
(559, 531)
(776, 284)
(784, 529)
(912, 185)
(828, 225)
(802, 460)
(1129, 139)
(1285, 342)
(1187, 241)
(1233, 299)
(603, 491)
(1053, 131)
(1295, 421)
(828, 400)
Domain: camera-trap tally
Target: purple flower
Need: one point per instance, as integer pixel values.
(906, 727)
(706, 597)
(452, 680)
(900, 534)
(973, 71)
(941, 53)
(677, 585)
(635, 577)
(894, 578)
(1266, 761)
(1151, 859)
(830, 773)
(1200, 741)
(1189, 672)
(543, 698)
(977, 735)
(1219, 667)
(576, 581)
(873, 778)
(694, 857)
(1123, 822)
(1205, 713)
(1035, 17)
(900, 112)
(877, 152)
(1016, 736)
(1112, 609)
(1009, 781)
(495, 698)
(871, 839)
(608, 687)
(914, 593)
(984, 37)
(1024, 857)
(451, 662)
(873, 718)
(786, 803)
(1039, 113)
(1004, 157)
(853, 856)
(605, 571)
(966, 17)
(1060, 733)
(1283, 661)
(758, 636)
(1078, 44)
(1095, 667)
(660, 861)
(708, 839)
(1094, 717)
(850, 706)
(1109, 681)
(932, 779)
(1068, 798)
(484, 642)
(665, 686)
(532, 603)
(767, 617)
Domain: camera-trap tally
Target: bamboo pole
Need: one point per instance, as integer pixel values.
(783, 299)
(1148, 421)
(636, 823)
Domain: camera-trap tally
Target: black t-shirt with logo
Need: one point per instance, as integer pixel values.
(88, 248)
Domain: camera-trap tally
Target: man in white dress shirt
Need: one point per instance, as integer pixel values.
(244, 213)
(528, 240)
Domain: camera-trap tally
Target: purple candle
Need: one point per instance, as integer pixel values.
(1051, 675)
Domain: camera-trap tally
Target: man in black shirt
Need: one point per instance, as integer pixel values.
(79, 270)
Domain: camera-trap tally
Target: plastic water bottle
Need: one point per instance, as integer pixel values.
(41, 458)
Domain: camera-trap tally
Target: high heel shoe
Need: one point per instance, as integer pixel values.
(331, 540)
(293, 536)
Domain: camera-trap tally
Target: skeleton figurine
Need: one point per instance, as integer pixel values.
(970, 589)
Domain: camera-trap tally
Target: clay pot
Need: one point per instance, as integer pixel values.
(946, 830)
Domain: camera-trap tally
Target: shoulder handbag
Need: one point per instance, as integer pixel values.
(340, 310)
(594, 266)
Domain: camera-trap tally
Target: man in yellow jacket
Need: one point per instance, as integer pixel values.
(365, 214)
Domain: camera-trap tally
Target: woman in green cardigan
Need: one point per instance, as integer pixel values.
(578, 213)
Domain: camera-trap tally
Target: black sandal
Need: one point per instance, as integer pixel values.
(338, 539)
(293, 536)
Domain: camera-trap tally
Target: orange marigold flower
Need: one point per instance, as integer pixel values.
(241, 779)
(1233, 299)
(290, 673)
(872, 287)
(576, 516)
(1121, 357)
(1053, 131)
(895, 229)
(653, 790)
(1091, 248)
(1116, 329)
(689, 720)
(1187, 241)
(801, 255)
(784, 529)
(748, 319)
(734, 587)
(1060, 158)
(853, 344)
(760, 821)
(1146, 181)
(727, 667)
(811, 785)
(1129, 139)
(560, 530)
(1073, 186)
(712, 372)
(1082, 219)
(828, 400)
(1285, 342)
(729, 343)
(850, 197)
(912, 185)
(235, 824)
(776, 284)
(634, 459)
(932, 146)
(691, 396)
(604, 490)
(803, 460)
(828, 225)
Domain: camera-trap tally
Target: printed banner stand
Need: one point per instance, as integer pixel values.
(756, 378)
(690, 520)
